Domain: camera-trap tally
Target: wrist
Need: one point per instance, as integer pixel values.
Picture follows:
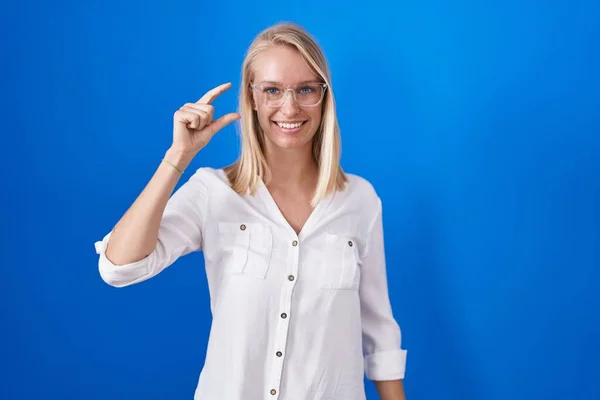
(179, 159)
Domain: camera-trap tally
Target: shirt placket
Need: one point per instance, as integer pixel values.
(284, 314)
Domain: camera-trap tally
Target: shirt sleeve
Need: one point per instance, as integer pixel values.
(384, 357)
(180, 233)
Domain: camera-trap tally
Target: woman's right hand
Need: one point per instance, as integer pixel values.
(193, 124)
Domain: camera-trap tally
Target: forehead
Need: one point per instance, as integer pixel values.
(284, 65)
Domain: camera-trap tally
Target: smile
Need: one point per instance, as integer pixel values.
(289, 125)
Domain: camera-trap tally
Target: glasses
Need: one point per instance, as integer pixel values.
(305, 94)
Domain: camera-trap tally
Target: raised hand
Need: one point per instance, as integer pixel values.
(193, 124)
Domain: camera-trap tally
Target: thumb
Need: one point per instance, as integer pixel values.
(222, 122)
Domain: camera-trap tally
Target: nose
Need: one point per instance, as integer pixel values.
(289, 106)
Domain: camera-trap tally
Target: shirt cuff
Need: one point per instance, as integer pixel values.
(119, 275)
(386, 366)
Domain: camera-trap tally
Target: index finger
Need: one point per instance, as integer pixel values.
(214, 93)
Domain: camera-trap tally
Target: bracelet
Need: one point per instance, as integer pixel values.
(172, 165)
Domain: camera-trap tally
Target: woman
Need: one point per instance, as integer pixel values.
(293, 246)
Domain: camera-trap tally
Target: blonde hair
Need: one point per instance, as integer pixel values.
(251, 165)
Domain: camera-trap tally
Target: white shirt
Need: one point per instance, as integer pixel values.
(295, 317)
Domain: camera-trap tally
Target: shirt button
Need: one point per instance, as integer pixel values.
(279, 354)
(273, 392)
(295, 243)
(291, 277)
(350, 243)
(243, 227)
(284, 315)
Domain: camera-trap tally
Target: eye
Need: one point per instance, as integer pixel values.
(271, 90)
(306, 90)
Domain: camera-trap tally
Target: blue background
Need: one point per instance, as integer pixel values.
(478, 124)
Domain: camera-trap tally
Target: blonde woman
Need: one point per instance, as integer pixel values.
(293, 246)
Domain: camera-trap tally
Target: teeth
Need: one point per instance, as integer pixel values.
(289, 126)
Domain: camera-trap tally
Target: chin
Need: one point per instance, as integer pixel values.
(290, 135)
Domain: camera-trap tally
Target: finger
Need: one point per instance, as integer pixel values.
(193, 119)
(187, 117)
(214, 93)
(196, 107)
(202, 121)
(222, 122)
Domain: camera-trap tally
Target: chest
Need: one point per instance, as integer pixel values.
(249, 243)
(295, 209)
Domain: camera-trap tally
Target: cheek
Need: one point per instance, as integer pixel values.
(264, 116)
(315, 115)
(262, 113)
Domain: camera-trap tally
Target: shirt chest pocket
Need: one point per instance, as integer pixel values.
(340, 263)
(246, 248)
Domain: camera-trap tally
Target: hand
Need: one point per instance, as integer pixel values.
(193, 124)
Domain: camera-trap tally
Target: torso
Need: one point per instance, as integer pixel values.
(286, 289)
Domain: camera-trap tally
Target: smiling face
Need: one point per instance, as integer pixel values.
(286, 123)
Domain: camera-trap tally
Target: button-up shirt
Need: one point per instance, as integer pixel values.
(295, 316)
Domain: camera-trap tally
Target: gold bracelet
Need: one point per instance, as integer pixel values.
(172, 165)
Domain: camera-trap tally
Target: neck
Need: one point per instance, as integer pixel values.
(292, 169)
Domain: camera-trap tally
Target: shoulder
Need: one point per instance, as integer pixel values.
(209, 177)
(361, 191)
(202, 182)
(360, 200)
(208, 173)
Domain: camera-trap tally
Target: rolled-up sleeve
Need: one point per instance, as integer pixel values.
(384, 357)
(180, 233)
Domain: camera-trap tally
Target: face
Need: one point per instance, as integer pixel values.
(288, 125)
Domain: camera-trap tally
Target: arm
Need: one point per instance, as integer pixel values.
(390, 390)
(384, 358)
(135, 235)
(157, 229)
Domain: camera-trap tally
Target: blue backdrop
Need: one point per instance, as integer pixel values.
(477, 123)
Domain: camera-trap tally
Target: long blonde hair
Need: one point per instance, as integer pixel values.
(251, 165)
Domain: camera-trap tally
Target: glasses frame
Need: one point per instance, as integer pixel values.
(284, 95)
